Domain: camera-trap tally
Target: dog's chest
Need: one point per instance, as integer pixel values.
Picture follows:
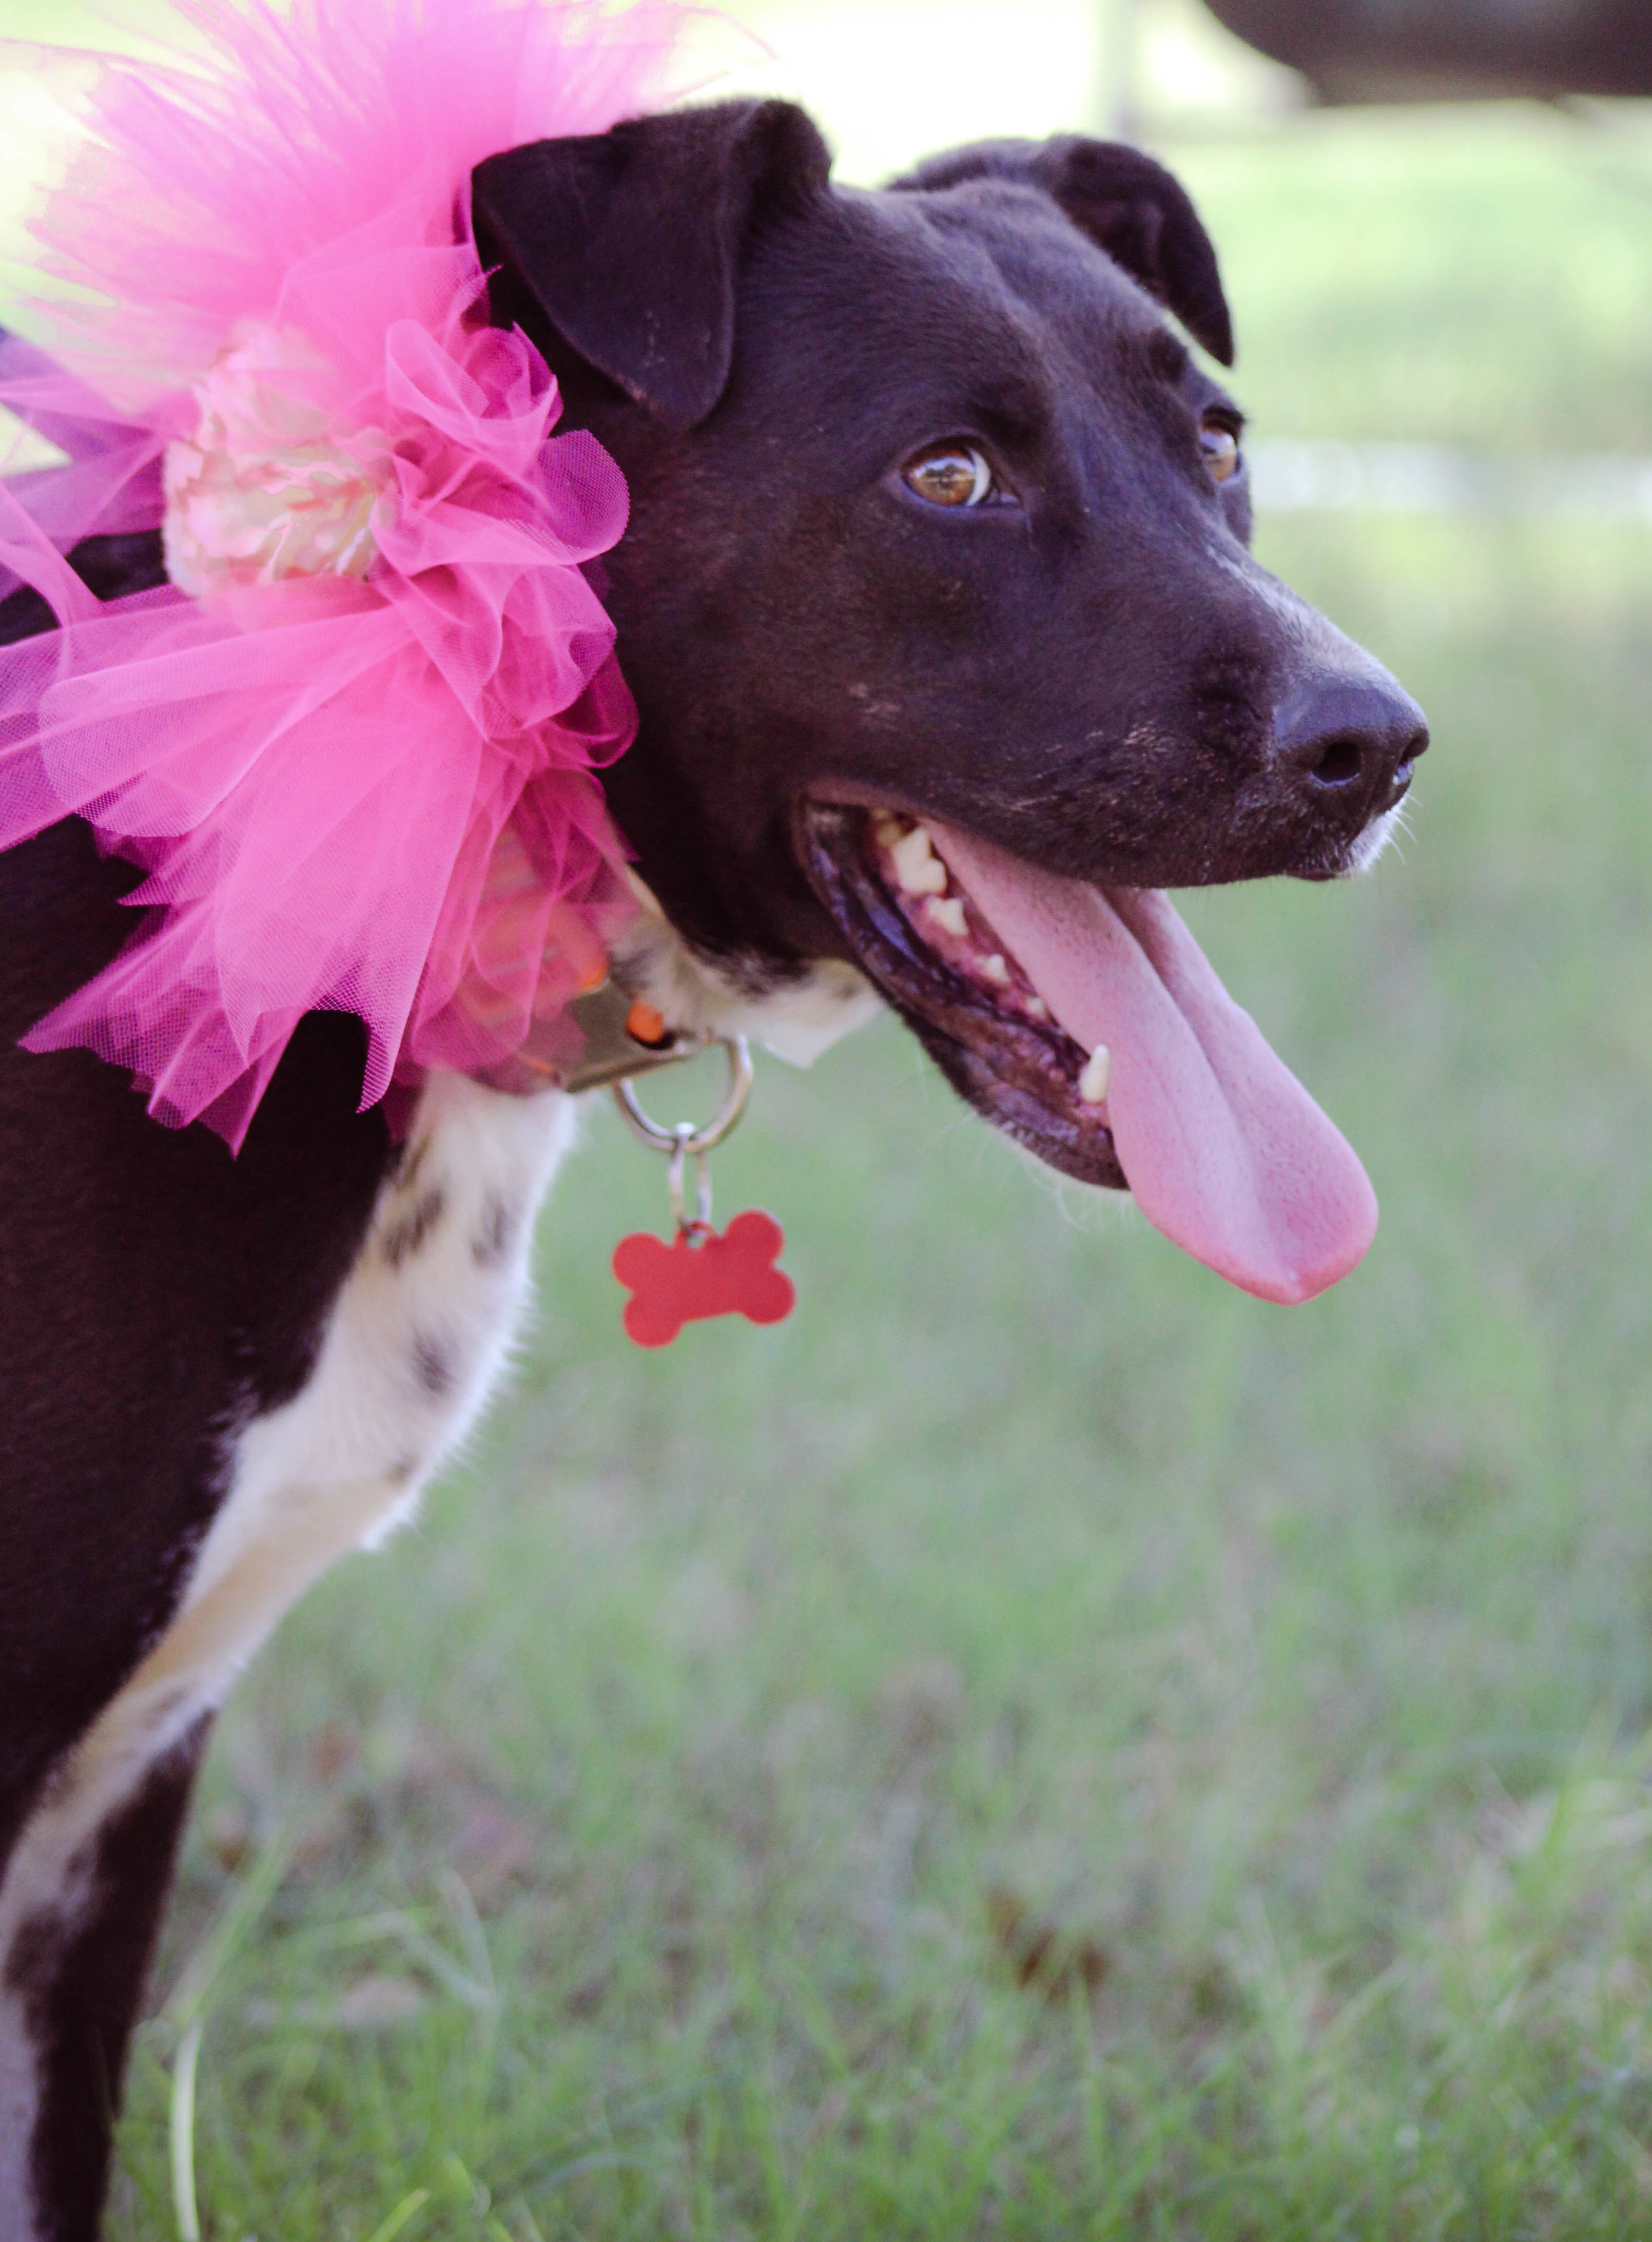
(414, 1343)
(415, 1340)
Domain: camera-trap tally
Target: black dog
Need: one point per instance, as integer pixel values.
(934, 519)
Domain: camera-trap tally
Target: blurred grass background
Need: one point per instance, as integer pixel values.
(1040, 1744)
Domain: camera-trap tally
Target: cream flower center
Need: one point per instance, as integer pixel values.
(263, 489)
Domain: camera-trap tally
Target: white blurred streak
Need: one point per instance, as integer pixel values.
(1326, 477)
(40, 96)
(889, 80)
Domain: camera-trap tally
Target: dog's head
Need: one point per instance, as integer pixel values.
(949, 648)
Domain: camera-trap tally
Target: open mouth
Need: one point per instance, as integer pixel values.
(1087, 1024)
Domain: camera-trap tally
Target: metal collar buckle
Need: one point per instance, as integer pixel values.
(612, 1054)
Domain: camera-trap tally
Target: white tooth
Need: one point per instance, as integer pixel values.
(948, 915)
(917, 868)
(1098, 1071)
(1037, 1008)
(995, 969)
(887, 828)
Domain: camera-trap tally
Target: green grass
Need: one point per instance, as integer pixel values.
(1041, 1745)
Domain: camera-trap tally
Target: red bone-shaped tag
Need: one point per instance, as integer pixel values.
(700, 1275)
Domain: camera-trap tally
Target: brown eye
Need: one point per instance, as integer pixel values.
(1220, 446)
(952, 474)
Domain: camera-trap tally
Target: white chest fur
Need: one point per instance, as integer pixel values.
(415, 1341)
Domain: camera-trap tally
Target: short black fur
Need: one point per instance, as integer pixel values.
(1099, 676)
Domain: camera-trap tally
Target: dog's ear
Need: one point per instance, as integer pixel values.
(1128, 204)
(627, 244)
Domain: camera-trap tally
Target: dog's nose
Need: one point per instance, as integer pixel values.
(1350, 741)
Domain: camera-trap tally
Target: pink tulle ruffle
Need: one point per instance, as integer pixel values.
(358, 769)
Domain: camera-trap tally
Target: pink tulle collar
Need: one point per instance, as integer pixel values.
(353, 743)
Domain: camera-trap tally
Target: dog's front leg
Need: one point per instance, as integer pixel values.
(413, 1345)
(78, 1918)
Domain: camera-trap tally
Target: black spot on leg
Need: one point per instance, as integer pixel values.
(413, 1158)
(432, 1364)
(405, 1469)
(491, 1246)
(406, 1236)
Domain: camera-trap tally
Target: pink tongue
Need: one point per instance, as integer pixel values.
(1225, 1152)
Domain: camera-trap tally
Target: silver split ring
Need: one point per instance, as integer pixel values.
(684, 1139)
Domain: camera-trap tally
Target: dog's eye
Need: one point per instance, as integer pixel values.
(951, 474)
(1220, 445)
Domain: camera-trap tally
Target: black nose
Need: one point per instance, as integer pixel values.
(1350, 742)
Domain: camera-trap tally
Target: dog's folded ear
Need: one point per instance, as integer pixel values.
(1127, 203)
(626, 245)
